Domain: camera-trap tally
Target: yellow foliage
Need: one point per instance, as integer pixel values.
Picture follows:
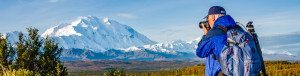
(274, 68)
(20, 72)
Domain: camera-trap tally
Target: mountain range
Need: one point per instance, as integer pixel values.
(92, 38)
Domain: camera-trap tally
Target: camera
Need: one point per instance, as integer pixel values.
(250, 27)
(206, 25)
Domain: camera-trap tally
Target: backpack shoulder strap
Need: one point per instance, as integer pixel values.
(222, 28)
(214, 32)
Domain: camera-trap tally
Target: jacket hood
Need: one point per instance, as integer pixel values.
(225, 21)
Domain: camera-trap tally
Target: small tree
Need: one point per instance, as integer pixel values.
(49, 61)
(33, 44)
(28, 50)
(39, 56)
(21, 59)
(6, 52)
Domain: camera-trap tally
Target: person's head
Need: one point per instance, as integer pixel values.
(214, 13)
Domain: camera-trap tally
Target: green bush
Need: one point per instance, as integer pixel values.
(115, 72)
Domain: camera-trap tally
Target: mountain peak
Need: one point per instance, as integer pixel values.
(106, 20)
(90, 32)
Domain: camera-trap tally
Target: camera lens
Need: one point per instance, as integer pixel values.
(200, 25)
(205, 23)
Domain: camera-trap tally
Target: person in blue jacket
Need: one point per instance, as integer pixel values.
(213, 40)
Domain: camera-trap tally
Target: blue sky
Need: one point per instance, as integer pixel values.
(160, 20)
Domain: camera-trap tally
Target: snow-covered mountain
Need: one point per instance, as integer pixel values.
(281, 46)
(96, 34)
(179, 46)
(91, 38)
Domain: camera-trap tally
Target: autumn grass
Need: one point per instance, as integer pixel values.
(274, 68)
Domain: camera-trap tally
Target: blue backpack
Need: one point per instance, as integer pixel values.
(240, 57)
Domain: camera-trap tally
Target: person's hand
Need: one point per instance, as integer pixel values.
(204, 29)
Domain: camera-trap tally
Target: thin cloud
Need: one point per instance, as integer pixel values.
(278, 23)
(126, 15)
(53, 1)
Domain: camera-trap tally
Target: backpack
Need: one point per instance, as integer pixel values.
(239, 56)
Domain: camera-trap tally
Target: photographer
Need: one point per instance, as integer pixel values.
(229, 49)
(214, 39)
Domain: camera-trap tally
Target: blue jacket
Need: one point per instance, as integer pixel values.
(212, 43)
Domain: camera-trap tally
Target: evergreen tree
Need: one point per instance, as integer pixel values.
(32, 55)
(49, 61)
(22, 54)
(6, 52)
(33, 44)
(28, 50)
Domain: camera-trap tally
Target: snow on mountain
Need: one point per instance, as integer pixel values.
(180, 46)
(96, 34)
(93, 38)
(173, 47)
(281, 44)
(279, 55)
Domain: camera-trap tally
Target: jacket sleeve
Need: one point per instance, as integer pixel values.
(205, 47)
